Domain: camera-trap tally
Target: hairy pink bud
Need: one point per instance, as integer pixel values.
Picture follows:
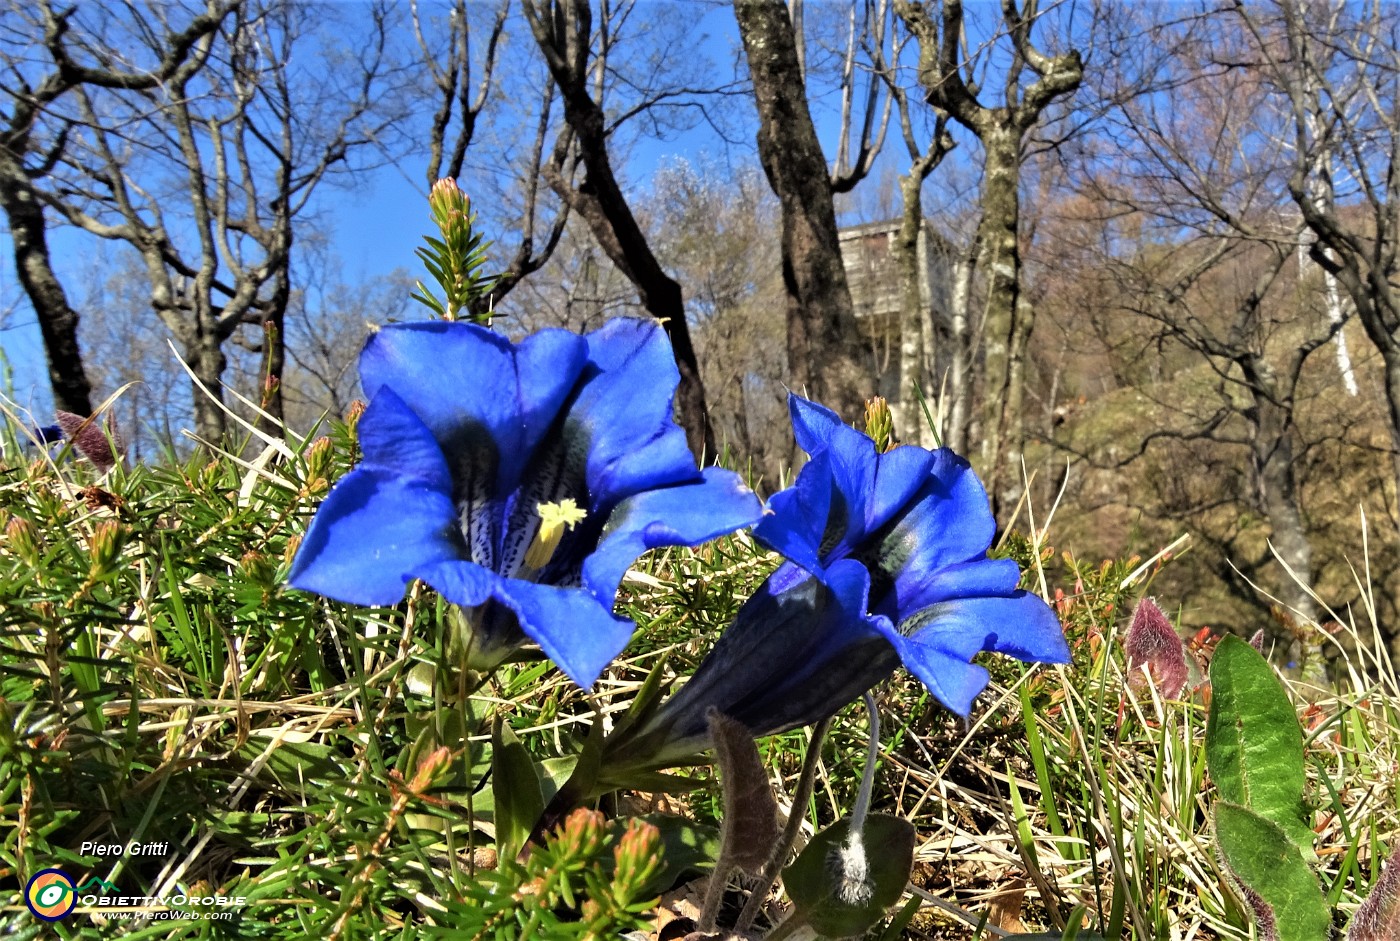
(1152, 641)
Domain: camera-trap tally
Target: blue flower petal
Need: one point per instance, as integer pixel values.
(471, 386)
(936, 643)
(1022, 626)
(797, 517)
(394, 439)
(955, 511)
(463, 583)
(899, 476)
(916, 587)
(573, 629)
(851, 472)
(864, 489)
(684, 515)
(814, 425)
(948, 522)
(371, 532)
(623, 414)
(951, 679)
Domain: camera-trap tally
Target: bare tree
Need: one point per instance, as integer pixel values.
(825, 350)
(911, 249)
(948, 74)
(451, 74)
(32, 144)
(206, 174)
(328, 316)
(1338, 68)
(713, 227)
(563, 31)
(464, 80)
(1196, 231)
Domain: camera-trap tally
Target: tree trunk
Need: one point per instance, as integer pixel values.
(601, 203)
(1392, 399)
(1274, 468)
(206, 360)
(274, 349)
(58, 321)
(911, 262)
(826, 354)
(960, 349)
(1006, 326)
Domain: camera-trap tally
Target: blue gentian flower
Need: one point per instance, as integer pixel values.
(46, 434)
(887, 565)
(520, 481)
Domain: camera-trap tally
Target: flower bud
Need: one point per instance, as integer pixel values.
(1153, 642)
(639, 858)
(879, 423)
(318, 458)
(430, 768)
(580, 836)
(105, 547)
(352, 417)
(447, 200)
(23, 540)
(256, 568)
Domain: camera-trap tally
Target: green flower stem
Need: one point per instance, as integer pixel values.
(805, 782)
(786, 927)
(867, 779)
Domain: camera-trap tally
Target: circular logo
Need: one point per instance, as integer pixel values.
(50, 894)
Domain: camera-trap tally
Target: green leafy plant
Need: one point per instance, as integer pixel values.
(571, 887)
(1263, 824)
(456, 259)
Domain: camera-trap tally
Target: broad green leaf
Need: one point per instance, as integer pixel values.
(842, 900)
(555, 773)
(515, 785)
(690, 848)
(1274, 882)
(300, 767)
(645, 703)
(1254, 745)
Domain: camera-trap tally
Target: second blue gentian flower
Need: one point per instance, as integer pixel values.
(887, 565)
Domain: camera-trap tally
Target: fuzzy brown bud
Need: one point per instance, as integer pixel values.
(1154, 643)
(102, 443)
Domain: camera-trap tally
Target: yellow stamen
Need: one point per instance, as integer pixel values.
(554, 517)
